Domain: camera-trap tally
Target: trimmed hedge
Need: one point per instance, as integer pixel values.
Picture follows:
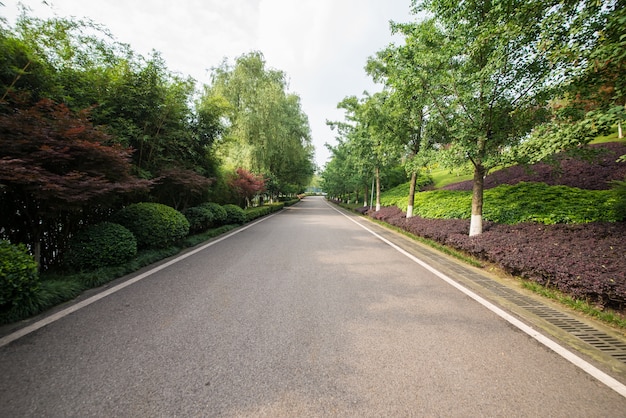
(19, 276)
(217, 211)
(254, 213)
(200, 219)
(154, 225)
(234, 214)
(101, 245)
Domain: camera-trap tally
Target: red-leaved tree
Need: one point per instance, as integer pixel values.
(246, 185)
(56, 171)
(179, 187)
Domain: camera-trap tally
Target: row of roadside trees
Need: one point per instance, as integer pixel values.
(482, 84)
(87, 126)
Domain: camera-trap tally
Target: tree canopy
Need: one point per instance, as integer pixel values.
(267, 130)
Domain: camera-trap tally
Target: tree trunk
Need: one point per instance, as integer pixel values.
(476, 223)
(37, 252)
(620, 133)
(409, 209)
(377, 189)
(365, 196)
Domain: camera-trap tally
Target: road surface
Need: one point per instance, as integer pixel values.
(302, 314)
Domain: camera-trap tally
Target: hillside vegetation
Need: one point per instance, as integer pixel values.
(557, 224)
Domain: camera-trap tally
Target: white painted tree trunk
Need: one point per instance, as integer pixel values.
(476, 225)
(409, 211)
(377, 189)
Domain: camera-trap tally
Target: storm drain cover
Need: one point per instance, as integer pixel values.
(592, 336)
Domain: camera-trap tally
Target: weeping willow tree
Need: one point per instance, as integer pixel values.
(268, 132)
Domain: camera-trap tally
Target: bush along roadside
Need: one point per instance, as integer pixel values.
(25, 293)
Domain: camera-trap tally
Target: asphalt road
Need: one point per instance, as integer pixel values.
(302, 314)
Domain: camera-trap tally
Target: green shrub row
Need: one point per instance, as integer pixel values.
(523, 202)
(205, 216)
(154, 225)
(101, 245)
(234, 214)
(254, 213)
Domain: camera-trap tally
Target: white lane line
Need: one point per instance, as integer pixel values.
(55, 317)
(557, 348)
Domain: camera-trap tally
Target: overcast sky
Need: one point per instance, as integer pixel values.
(322, 45)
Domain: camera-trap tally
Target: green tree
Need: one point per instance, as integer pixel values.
(410, 101)
(268, 131)
(589, 45)
(492, 72)
(369, 137)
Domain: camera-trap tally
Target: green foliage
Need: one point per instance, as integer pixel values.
(234, 214)
(49, 293)
(268, 131)
(217, 211)
(257, 212)
(101, 245)
(523, 202)
(19, 277)
(398, 195)
(619, 188)
(154, 225)
(538, 202)
(200, 218)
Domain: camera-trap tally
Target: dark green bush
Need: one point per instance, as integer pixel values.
(235, 215)
(154, 225)
(200, 218)
(218, 212)
(100, 245)
(19, 276)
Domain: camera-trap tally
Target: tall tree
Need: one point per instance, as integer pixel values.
(268, 131)
(411, 101)
(493, 73)
(369, 135)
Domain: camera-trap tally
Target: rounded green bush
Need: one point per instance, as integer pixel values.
(100, 245)
(19, 276)
(154, 225)
(219, 213)
(200, 218)
(235, 215)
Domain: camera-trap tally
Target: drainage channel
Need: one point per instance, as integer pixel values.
(589, 334)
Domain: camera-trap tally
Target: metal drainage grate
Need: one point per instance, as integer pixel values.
(592, 336)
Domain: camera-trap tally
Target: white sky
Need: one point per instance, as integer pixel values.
(322, 45)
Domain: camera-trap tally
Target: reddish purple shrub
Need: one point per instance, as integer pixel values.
(572, 172)
(386, 213)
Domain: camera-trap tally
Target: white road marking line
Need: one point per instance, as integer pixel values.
(609, 381)
(55, 317)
